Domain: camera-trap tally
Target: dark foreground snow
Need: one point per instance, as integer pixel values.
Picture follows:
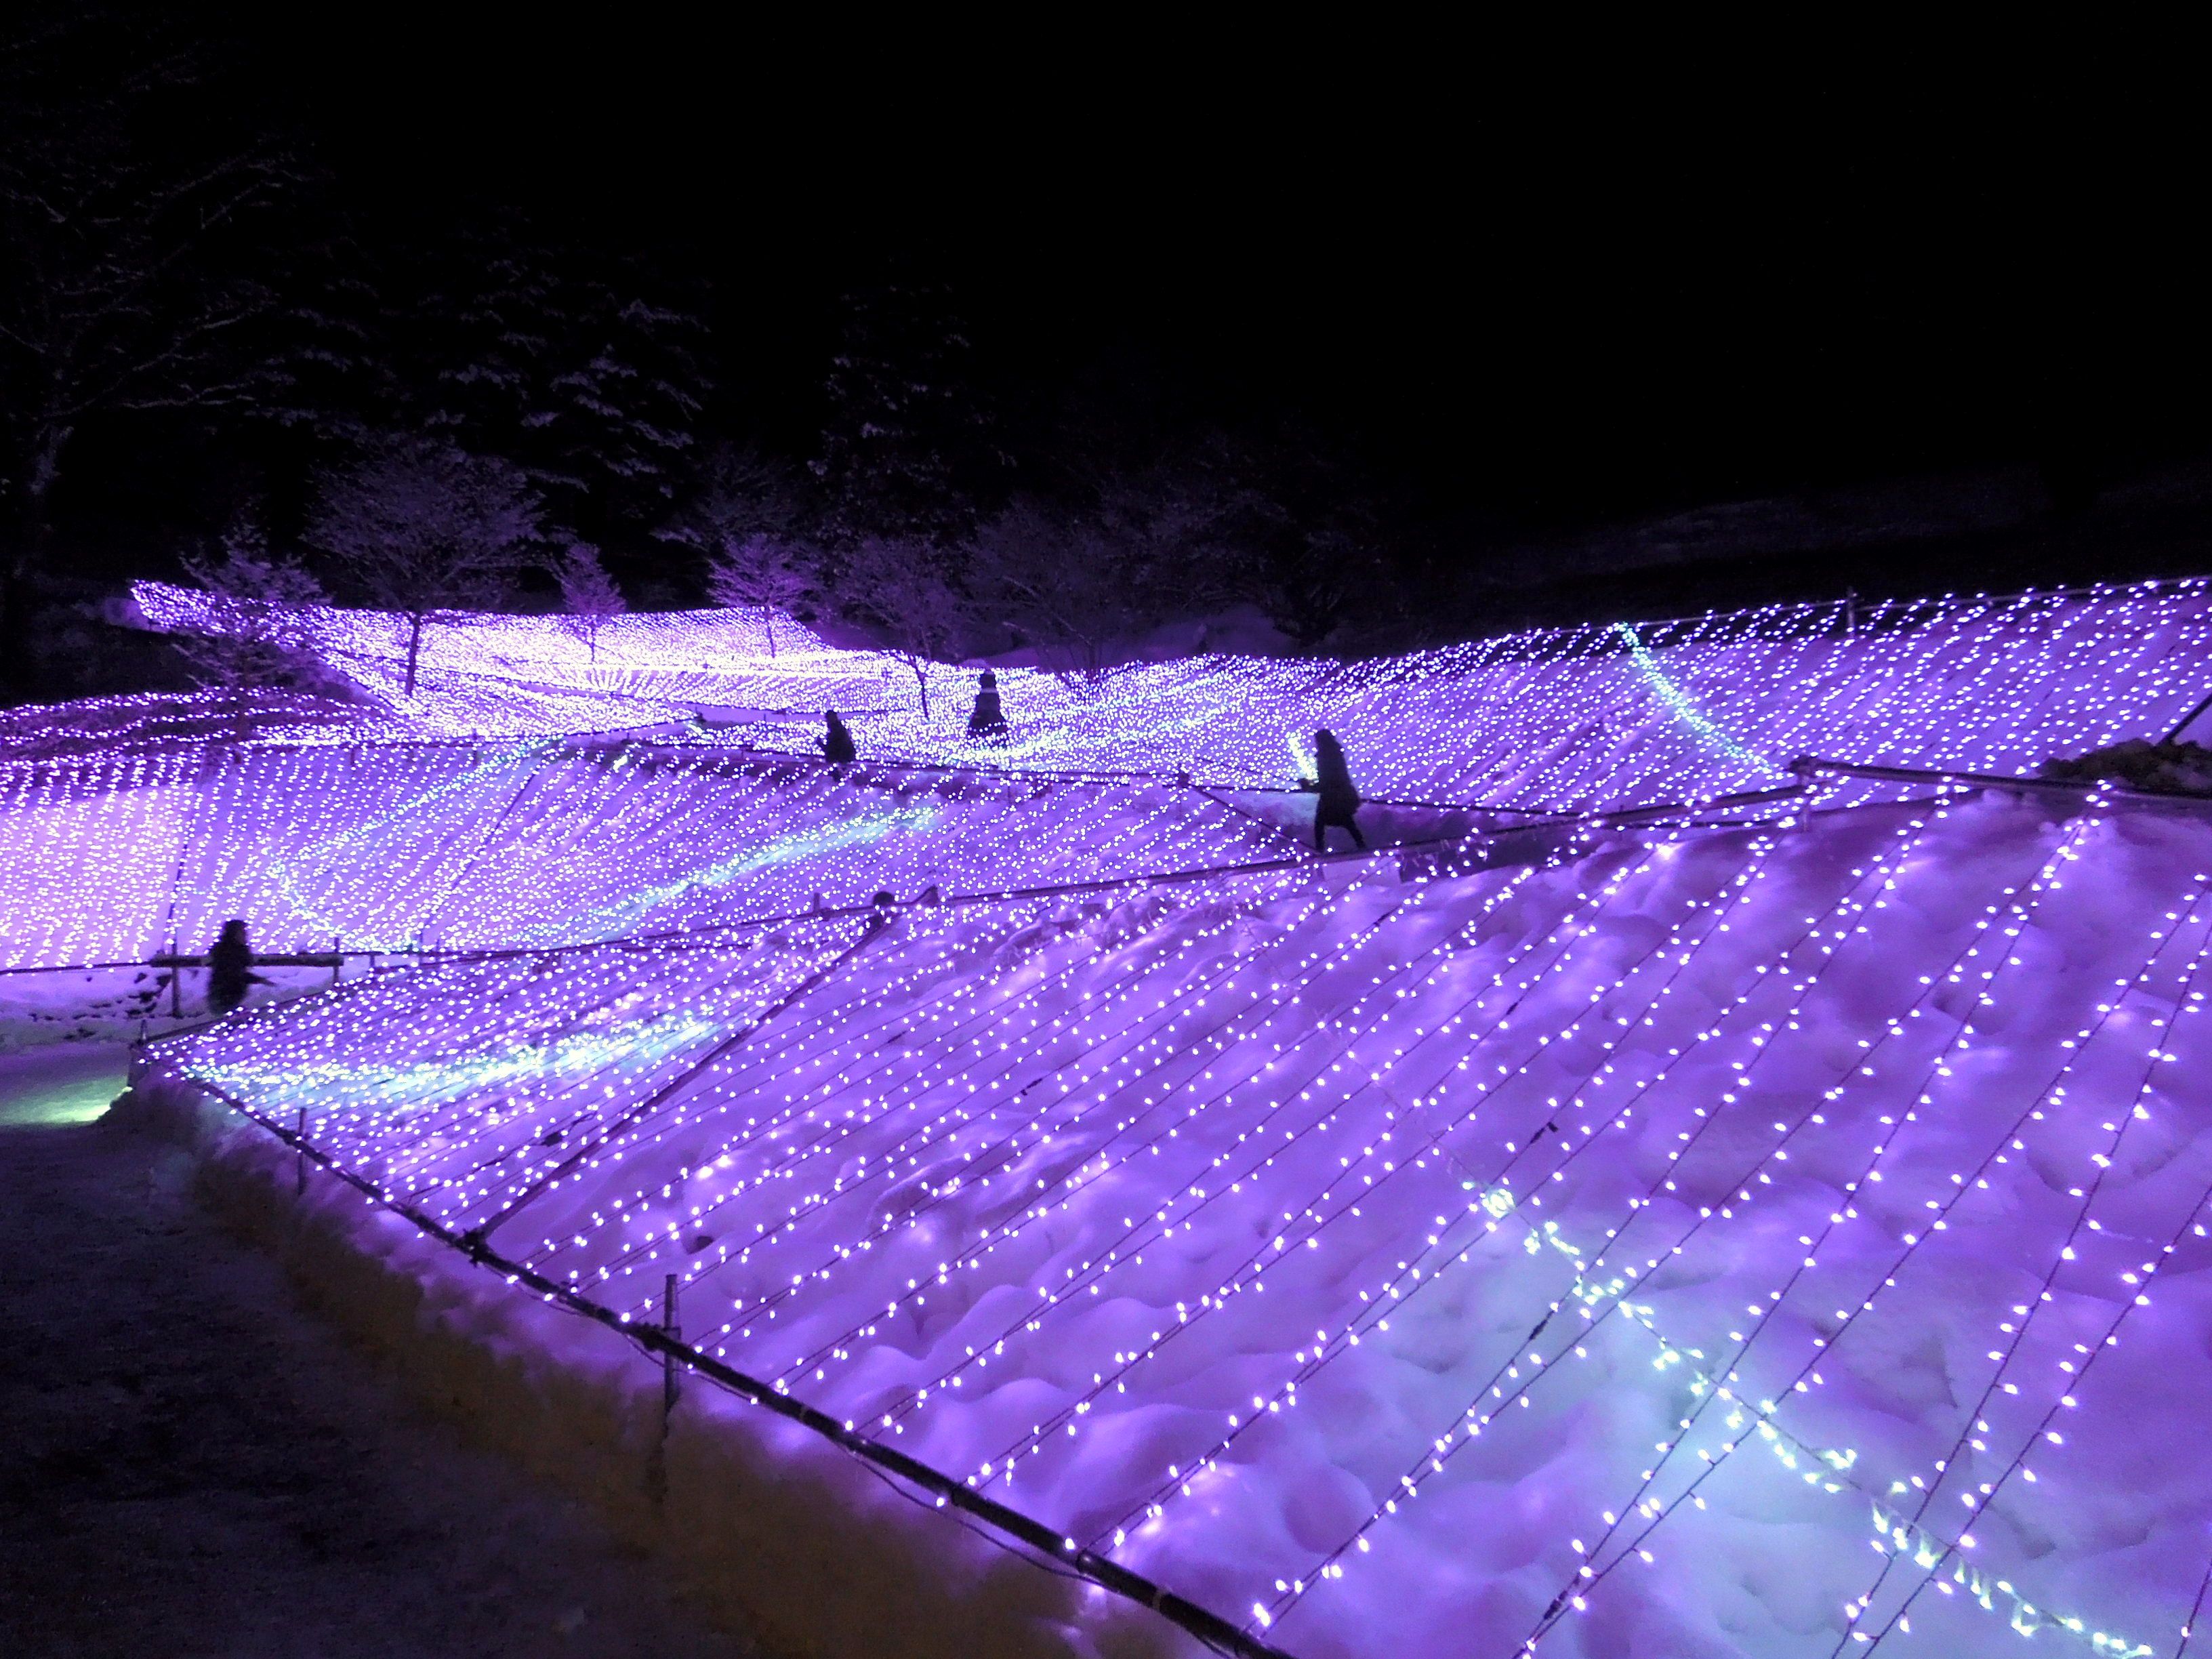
(190, 1466)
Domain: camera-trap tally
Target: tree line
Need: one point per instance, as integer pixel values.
(492, 417)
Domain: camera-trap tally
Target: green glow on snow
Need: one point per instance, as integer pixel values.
(1679, 701)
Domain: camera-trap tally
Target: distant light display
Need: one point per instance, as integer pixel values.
(501, 826)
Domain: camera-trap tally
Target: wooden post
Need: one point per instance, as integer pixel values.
(671, 1378)
(300, 1160)
(656, 1463)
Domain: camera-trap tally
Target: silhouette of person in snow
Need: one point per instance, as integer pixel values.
(230, 969)
(1340, 800)
(989, 720)
(837, 743)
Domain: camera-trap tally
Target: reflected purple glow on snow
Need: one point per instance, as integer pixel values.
(1759, 1240)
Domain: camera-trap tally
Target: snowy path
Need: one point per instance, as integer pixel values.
(193, 1467)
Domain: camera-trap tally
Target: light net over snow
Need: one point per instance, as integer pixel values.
(393, 847)
(1770, 1238)
(1658, 1253)
(135, 825)
(1549, 718)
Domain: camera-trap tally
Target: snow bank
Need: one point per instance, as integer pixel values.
(792, 1540)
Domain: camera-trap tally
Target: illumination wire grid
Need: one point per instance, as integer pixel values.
(1494, 1205)
(1576, 716)
(1248, 1274)
(1357, 1003)
(1561, 716)
(530, 843)
(1192, 1058)
(1716, 1389)
(2024, 1617)
(173, 846)
(2014, 1337)
(1493, 1397)
(435, 1141)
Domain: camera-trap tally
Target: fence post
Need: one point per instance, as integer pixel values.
(656, 1469)
(671, 1380)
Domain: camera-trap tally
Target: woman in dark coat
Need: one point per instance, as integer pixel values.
(1340, 800)
(989, 720)
(230, 969)
(837, 744)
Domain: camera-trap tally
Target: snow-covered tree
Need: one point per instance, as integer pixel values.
(738, 492)
(747, 518)
(422, 528)
(559, 362)
(588, 595)
(129, 269)
(1283, 519)
(1077, 584)
(265, 642)
(909, 449)
(761, 575)
(902, 586)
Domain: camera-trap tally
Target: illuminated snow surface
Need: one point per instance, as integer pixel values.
(1662, 1247)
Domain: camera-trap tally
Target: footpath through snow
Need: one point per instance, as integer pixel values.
(192, 1467)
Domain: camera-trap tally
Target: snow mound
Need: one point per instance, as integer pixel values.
(2161, 769)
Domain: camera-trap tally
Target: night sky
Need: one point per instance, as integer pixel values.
(1531, 287)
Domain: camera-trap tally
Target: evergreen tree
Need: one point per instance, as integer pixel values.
(561, 364)
(908, 452)
(1289, 522)
(266, 641)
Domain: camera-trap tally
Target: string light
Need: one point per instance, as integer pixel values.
(1185, 1216)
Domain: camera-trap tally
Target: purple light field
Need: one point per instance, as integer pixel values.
(1659, 1200)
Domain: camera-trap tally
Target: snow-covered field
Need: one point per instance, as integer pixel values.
(469, 818)
(1546, 718)
(1780, 1236)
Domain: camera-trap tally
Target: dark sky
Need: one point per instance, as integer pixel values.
(1533, 285)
